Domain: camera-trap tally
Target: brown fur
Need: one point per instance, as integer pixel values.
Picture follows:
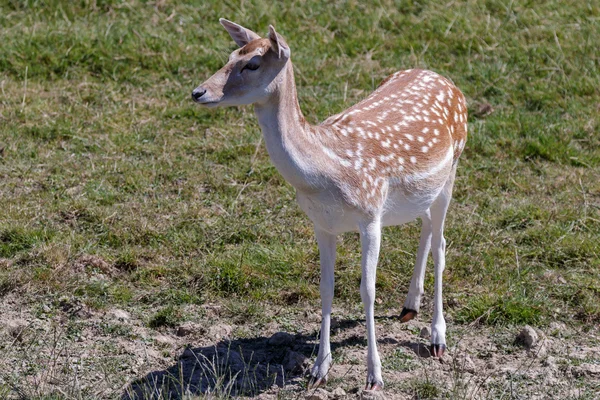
(262, 43)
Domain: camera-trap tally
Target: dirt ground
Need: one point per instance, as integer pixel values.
(73, 352)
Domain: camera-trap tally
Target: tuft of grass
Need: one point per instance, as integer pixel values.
(16, 240)
(510, 308)
(424, 390)
(168, 316)
(401, 360)
(127, 261)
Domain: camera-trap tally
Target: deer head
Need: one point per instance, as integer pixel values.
(250, 75)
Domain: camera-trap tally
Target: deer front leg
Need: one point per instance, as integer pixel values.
(327, 245)
(370, 237)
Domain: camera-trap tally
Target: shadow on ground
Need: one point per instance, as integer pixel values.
(243, 367)
(230, 368)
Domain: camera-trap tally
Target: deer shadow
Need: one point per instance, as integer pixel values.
(243, 367)
(229, 368)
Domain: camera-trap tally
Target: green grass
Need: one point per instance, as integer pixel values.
(103, 153)
(402, 360)
(425, 390)
(167, 316)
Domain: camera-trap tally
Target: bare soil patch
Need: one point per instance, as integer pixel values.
(72, 350)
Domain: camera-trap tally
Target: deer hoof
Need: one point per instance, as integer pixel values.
(374, 386)
(314, 383)
(407, 314)
(437, 350)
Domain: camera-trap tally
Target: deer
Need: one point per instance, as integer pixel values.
(387, 160)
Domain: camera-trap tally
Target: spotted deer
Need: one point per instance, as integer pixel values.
(385, 161)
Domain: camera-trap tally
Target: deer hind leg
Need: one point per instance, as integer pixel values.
(327, 248)
(415, 292)
(438, 250)
(370, 237)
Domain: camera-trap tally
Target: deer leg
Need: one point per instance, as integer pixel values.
(415, 292)
(438, 243)
(327, 247)
(370, 236)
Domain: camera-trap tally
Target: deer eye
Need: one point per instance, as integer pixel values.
(252, 66)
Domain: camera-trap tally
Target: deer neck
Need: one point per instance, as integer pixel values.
(290, 140)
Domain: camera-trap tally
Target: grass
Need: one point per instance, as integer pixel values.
(402, 360)
(103, 154)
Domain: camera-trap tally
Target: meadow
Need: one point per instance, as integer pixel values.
(117, 192)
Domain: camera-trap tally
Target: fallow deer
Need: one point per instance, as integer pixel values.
(385, 161)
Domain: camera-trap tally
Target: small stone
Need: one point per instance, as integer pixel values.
(189, 328)
(220, 331)
(528, 337)
(119, 314)
(16, 327)
(465, 364)
(295, 362)
(164, 339)
(372, 395)
(338, 393)
(425, 333)
(317, 394)
(280, 339)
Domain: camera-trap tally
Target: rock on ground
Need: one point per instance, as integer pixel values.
(465, 364)
(317, 394)
(372, 395)
(15, 327)
(528, 337)
(189, 328)
(338, 393)
(118, 314)
(219, 331)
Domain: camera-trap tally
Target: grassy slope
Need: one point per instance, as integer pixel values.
(104, 154)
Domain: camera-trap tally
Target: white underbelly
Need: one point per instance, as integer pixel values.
(401, 207)
(328, 214)
(335, 216)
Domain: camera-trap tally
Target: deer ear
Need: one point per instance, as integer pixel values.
(278, 43)
(238, 33)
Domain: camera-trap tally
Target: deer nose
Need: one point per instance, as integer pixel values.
(197, 93)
